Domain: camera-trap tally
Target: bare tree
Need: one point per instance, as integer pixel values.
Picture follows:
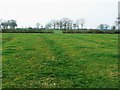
(57, 24)
(82, 22)
(74, 26)
(66, 22)
(38, 25)
(78, 23)
(60, 24)
(69, 24)
(48, 25)
(53, 23)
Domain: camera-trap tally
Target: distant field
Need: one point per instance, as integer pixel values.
(60, 60)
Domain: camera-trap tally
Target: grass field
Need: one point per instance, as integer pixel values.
(60, 60)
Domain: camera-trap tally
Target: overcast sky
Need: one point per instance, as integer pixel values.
(29, 12)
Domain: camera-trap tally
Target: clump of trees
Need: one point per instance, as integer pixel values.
(108, 27)
(66, 24)
(8, 24)
(104, 27)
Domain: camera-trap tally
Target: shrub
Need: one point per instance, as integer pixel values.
(26, 31)
(92, 31)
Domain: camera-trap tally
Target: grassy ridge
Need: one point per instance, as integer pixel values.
(66, 60)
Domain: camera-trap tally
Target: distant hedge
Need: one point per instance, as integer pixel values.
(93, 31)
(26, 31)
(64, 31)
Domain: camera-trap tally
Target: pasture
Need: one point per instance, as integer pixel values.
(59, 60)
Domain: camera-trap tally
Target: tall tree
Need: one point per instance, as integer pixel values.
(101, 27)
(5, 24)
(38, 25)
(48, 25)
(66, 22)
(69, 24)
(82, 22)
(12, 23)
(53, 23)
(57, 24)
(74, 26)
(60, 24)
(77, 23)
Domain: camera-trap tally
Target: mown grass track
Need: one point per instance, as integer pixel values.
(60, 60)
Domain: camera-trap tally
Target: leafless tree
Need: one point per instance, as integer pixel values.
(53, 23)
(77, 24)
(58, 24)
(82, 22)
(74, 26)
(69, 25)
(38, 25)
(48, 25)
(66, 22)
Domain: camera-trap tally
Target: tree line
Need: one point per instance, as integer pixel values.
(66, 24)
(62, 24)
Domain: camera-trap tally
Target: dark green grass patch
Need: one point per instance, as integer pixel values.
(60, 60)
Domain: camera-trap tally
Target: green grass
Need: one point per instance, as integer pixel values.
(60, 60)
(57, 31)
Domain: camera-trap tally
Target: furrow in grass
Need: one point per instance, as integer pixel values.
(42, 60)
(92, 65)
(101, 40)
(65, 64)
(27, 64)
(111, 51)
